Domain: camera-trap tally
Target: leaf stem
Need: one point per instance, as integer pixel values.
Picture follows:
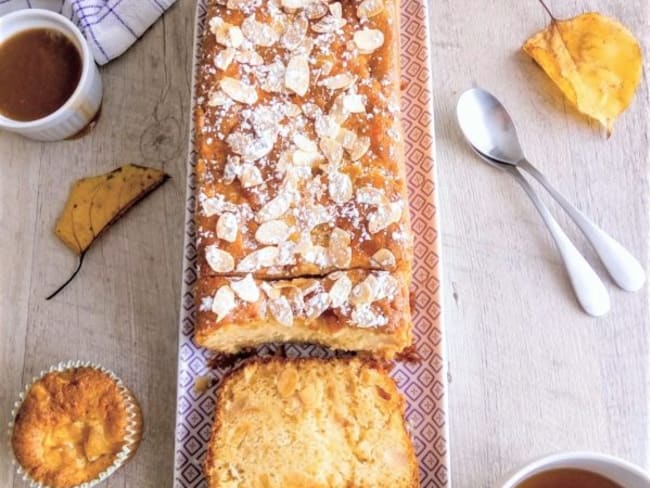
(60, 288)
(548, 10)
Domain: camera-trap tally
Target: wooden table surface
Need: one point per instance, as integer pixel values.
(529, 372)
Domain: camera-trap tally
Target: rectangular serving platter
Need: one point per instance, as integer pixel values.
(423, 383)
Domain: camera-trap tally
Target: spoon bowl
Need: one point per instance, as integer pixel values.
(488, 127)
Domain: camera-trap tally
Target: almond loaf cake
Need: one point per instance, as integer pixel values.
(310, 423)
(300, 165)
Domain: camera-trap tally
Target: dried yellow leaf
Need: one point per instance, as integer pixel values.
(594, 60)
(95, 203)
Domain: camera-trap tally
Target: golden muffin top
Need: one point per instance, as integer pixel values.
(70, 427)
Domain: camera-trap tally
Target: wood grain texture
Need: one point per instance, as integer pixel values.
(122, 310)
(530, 373)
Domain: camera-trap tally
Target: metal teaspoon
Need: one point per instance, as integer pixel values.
(489, 129)
(589, 289)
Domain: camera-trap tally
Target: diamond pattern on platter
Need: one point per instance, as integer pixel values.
(424, 384)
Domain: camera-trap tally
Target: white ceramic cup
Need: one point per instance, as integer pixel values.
(625, 474)
(82, 106)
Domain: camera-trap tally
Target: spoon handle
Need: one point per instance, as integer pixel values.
(588, 287)
(624, 268)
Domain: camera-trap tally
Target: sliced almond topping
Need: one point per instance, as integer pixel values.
(336, 9)
(259, 33)
(226, 34)
(232, 169)
(337, 111)
(328, 24)
(227, 227)
(373, 283)
(235, 4)
(366, 316)
(246, 289)
(217, 98)
(369, 195)
(295, 32)
(318, 255)
(316, 10)
(369, 8)
(332, 150)
(220, 261)
(239, 142)
(368, 40)
(305, 143)
(273, 76)
(272, 232)
(305, 245)
(316, 305)
(386, 286)
(340, 291)
(236, 36)
(216, 205)
(361, 294)
(339, 248)
(287, 381)
(262, 258)
(306, 46)
(292, 110)
(250, 176)
(293, 4)
(304, 158)
(337, 82)
(326, 126)
(384, 216)
(271, 291)
(326, 67)
(259, 147)
(340, 187)
(224, 58)
(346, 138)
(360, 148)
(296, 77)
(223, 302)
(216, 24)
(274, 208)
(249, 57)
(238, 91)
(384, 258)
(354, 103)
(281, 311)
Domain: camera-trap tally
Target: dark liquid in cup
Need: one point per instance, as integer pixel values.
(568, 478)
(39, 70)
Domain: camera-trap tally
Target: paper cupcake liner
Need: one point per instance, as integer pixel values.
(133, 427)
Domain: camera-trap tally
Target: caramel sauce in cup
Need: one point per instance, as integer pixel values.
(50, 87)
(39, 70)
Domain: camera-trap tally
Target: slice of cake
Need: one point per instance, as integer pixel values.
(310, 423)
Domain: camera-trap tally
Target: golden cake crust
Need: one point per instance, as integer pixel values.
(70, 427)
(357, 310)
(295, 183)
(300, 171)
(310, 423)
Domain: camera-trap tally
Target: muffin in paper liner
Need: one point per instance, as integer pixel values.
(133, 430)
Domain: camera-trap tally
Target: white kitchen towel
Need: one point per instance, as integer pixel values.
(110, 26)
